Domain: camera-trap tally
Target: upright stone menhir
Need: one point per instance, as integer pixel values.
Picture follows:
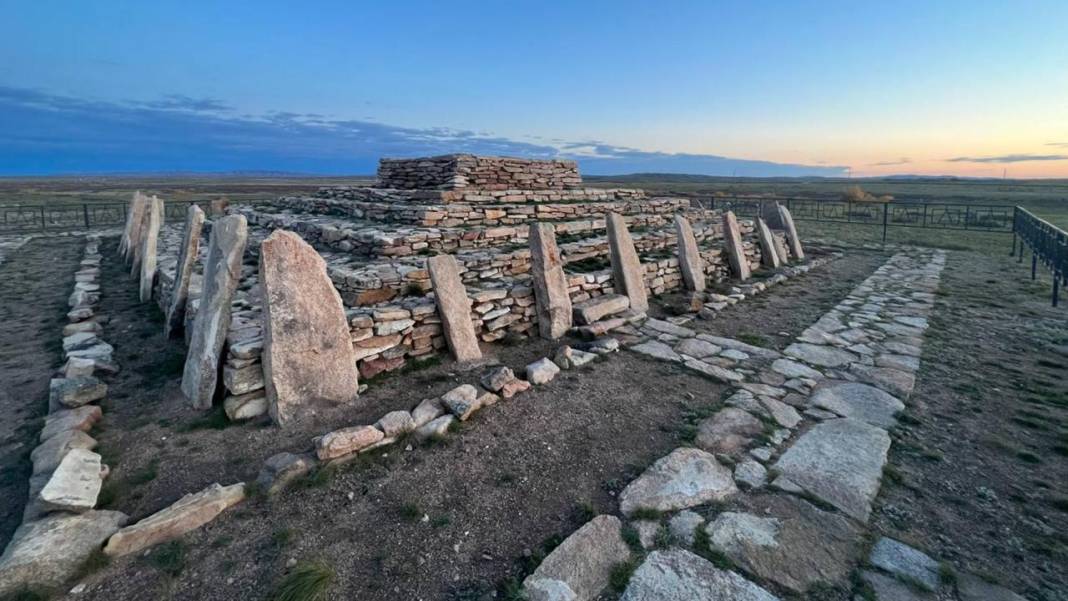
(222, 272)
(550, 283)
(138, 213)
(131, 211)
(732, 238)
(149, 241)
(791, 234)
(308, 359)
(769, 255)
(454, 307)
(627, 271)
(183, 271)
(690, 263)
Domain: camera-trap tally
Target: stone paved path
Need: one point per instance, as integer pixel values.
(805, 433)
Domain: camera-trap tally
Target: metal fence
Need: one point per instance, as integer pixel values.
(1048, 244)
(72, 216)
(926, 215)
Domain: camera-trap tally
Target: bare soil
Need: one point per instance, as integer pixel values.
(773, 319)
(979, 466)
(36, 281)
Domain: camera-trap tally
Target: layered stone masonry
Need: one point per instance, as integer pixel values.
(459, 171)
(516, 196)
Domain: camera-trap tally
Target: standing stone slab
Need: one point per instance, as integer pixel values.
(627, 271)
(222, 271)
(138, 214)
(791, 234)
(131, 212)
(307, 349)
(550, 283)
(149, 241)
(454, 307)
(690, 263)
(769, 256)
(840, 461)
(732, 239)
(183, 272)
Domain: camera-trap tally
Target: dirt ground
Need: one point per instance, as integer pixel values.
(981, 459)
(36, 281)
(522, 472)
(775, 318)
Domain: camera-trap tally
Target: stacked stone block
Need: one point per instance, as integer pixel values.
(460, 171)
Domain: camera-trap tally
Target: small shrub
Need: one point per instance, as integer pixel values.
(411, 512)
(584, 512)
(621, 574)
(169, 557)
(702, 545)
(308, 581)
(646, 514)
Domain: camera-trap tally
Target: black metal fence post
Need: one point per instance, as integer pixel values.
(85, 212)
(44, 224)
(1014, 222)
(886, 211)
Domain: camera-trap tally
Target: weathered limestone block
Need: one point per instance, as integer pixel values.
(75, 392)
(454, 307)
(346, 441)
(149, 242)
(183, 271)
(769, 257)
(732, 239)
(281, 469)
(627, 269)
(188, 513)
(47, 456)
(222, 271)
(690, 263)
(307, 350)
(599, 307)
(791, 234)
(75, 484)
(684, 478)
(583, 563)
(542, 371)
(81, 419)
(550, 283)
(245, 406)
(50, 551)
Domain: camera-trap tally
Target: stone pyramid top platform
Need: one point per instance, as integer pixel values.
(471, 172)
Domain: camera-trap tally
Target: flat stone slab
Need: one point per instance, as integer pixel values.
(346, 441)
(793, 369)
(696, 348)
(678, 575)
(896, 382)
(905, 563)
(583, 563)
(656, 350)
(50, 551)
(75, 392)
(188, 513)
(738, 345)
(859, 401)
(818, 354)
(729, 431)
(48, 454)
(788, 541)
(666, 327)
(75, 484)
(839, 461)
(81, 419)
(684, 478)
(599, 307)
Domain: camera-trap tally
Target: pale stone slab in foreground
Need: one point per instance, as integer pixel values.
(627, 271)
(222, 272)
(48, 552)
(684, 478)
(183, 271)
(307, 350)
(690, 263)
(678, 575)
(859, 401)
(75, 484)
(839, 461)
(583, 563)
(550, 282)
(454, 307)
(188, 513)
(599, 307)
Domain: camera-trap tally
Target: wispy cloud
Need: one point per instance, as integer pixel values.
(1058, 144)
(44, 133)
(1010, 158)
(901, 161)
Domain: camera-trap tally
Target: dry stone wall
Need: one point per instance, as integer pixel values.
(459, 171)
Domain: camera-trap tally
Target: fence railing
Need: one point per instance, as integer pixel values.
(927, 215)
(1048, 244)
(72, 216)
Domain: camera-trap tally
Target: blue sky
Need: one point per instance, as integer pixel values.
(754, 88)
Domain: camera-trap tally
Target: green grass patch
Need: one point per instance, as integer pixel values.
(621, 573)
(307, 581)
(169, 557)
